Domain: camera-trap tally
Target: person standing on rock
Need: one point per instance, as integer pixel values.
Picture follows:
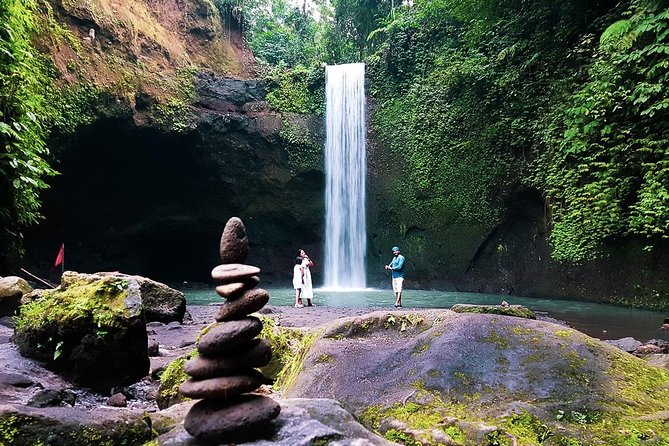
(397, 268)
(298, 281)
(307, 286)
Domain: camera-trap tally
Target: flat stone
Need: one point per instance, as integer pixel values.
(238, 419)
(233, 290)
(228, 335)
(234, 247)
(250, 302)
(223, 386)
(233, 272)
(257, 353)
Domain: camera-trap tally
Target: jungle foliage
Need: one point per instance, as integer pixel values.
(24, 113)
(476, 99)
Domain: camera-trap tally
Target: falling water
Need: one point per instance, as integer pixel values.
(346, 167)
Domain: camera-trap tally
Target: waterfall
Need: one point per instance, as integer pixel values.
(346, 168)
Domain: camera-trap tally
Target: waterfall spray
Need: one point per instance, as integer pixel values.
(346, 168)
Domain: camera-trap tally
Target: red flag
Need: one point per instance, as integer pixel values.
(61, 256)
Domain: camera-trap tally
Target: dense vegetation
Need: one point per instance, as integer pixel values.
(472, 100)
(23, 114)
(476, 99)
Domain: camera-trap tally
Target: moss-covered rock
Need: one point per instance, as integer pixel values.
(92, 331)
(22, 425)
(504, 310)
(170, 381)
(486, 379)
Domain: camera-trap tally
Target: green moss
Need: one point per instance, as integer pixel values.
(9, 428)
(527, 428)
(304, 147)
(402, 438)
(172, 378)
(289, 349)
(173, 112)
(20, 429)
(325, 359)
(101, 302)
(564, 333)
(456, 434)
(498, 340)
(511, 310)
(298, 90)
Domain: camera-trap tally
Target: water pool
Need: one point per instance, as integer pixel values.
(597, 320)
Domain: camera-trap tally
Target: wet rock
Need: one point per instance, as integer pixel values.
(52, 398)
(154, 348)
(15, 380)
(117, 400)
(627, 344)
(7, 321)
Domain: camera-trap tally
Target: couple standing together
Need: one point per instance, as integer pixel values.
(302, 279)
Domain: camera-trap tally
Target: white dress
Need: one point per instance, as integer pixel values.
(307, 287)
(297, 277)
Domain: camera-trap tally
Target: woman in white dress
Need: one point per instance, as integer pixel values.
(298, 281)
(307, 286)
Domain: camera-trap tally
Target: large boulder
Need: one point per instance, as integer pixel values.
(160, 303)
(11, 290)
(91, 331)
(484, 379)
(24, 425)
(301, 422)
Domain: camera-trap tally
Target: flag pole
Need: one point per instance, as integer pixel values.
(62, 264)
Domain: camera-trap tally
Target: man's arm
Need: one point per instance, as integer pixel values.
(400, 263)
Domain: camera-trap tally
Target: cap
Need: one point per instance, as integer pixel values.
(395, 248)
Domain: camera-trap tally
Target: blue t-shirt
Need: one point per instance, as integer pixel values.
(397, 265)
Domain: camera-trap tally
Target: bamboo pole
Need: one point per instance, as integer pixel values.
(51, 285)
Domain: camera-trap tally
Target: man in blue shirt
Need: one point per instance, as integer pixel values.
(397, 268)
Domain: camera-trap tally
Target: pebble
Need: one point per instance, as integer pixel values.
(234, 272)
(223, 386)
(257, 353)
(227, 335)
(250, 302)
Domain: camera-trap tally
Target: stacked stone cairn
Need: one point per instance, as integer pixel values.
(224, 374)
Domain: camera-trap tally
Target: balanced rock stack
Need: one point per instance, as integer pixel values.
(224, 374)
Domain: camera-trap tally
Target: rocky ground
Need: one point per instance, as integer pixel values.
(22, 379)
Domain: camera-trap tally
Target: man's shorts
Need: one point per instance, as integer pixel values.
(397, 284)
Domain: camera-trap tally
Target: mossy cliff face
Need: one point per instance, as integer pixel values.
(91, 331)
(150, 201)
(445, 378)
(506, 253)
